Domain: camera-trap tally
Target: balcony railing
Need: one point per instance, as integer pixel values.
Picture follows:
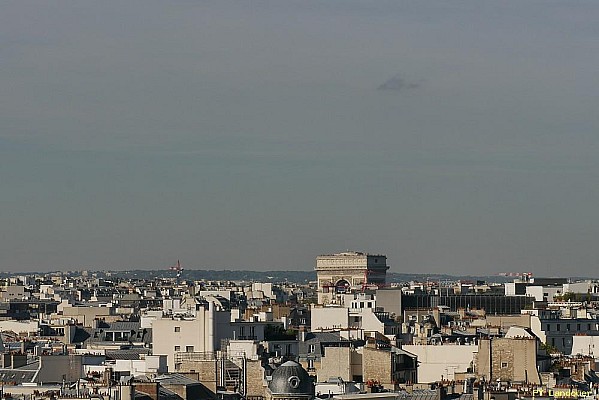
(195, 356)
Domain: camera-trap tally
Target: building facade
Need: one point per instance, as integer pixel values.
(201, 333)
(513, 358)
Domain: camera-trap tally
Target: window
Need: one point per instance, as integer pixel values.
(312, 348)
(177, 348)
(177, 329)
(578, 327)
(548, 327)
(558, 327)
(567, 327)
(189, 349)
(294, 381)
(503, 365)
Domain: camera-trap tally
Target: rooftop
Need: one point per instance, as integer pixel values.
(351, 254)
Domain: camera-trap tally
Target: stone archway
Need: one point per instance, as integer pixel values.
(342, 286)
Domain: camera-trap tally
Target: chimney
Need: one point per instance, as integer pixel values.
(127, 392)
(149, 388)
(302, 333)
(107, 376)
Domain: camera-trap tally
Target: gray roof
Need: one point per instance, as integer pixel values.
(123, 326)
(127, 354)
(403, 395)
(199, 390)
(324, 337)
(16, 376)
(290, 378)
(175, 379)
(420, 395)
(164, 393)
(20, 375)
(138, 333)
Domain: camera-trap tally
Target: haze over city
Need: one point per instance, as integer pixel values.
(454, 137)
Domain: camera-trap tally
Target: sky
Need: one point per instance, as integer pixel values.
(455, 137)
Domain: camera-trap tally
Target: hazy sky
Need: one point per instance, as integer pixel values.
(453, 136)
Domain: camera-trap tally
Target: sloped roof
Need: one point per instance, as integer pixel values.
(520, 332)
(419, 395)
(164, 393)
(324, 337)
(26, 373)
(176, 379)
(127, 354)
(123, 326)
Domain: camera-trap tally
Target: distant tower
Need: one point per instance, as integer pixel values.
(178, 269)
(346, 272)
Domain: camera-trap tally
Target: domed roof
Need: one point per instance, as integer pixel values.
(290, 378)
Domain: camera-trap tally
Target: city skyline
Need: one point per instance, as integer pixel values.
(455, 138)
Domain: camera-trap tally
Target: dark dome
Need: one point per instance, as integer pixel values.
(290, 378)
